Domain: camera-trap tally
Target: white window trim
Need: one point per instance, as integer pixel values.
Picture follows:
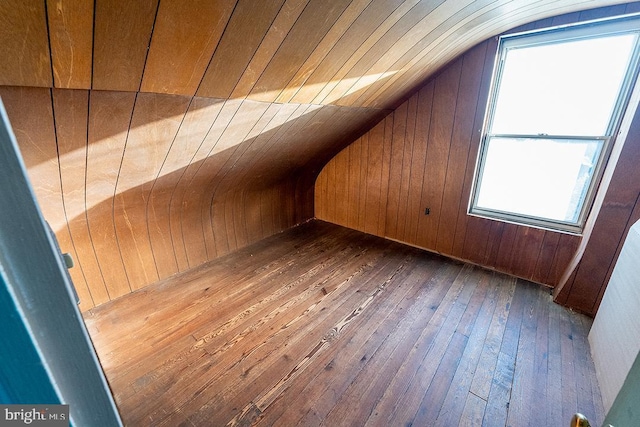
(609, 26)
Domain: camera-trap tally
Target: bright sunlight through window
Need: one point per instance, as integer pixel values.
(557, 98)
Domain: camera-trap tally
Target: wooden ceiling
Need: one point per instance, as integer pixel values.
(355, 53)
(160, 134)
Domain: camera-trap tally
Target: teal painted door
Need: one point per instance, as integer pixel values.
(46, 355)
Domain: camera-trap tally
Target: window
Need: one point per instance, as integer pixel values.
(556, 102)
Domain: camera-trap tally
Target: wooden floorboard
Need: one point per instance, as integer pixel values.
(322, 325)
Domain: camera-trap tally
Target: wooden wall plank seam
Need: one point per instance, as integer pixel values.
(465, 226)
(395, 170)
(70, 113)
(184, 38)
(197, 251)
(109, 113)
(311, 26)
(548, 251)
(406, 63)
(340, 31)
(426, 98)
(440, 131)
(247, 170)
(236, 169)
(71, 42)
(421, 40)
(245, 31)
(373, 197)
(198, 128)
(122, 32)
(158, 207)
(329, 73)
(454, 196)
(522, 251)
(253, 113)
(275, 36)
(386, 174)
(364, 173)
(353, 72)
(405, 173)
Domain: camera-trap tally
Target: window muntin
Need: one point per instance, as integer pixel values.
(556, 102)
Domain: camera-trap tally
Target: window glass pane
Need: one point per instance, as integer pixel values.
(541, 178)
(567, 88)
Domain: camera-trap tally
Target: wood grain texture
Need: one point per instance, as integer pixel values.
(184, 38)
(370, 53)
(354, 12)
(70, 108)
(109, 118)
(463, 23)
(358, 39)
(30, 112)
(310, 27)
(435, 136)
(141, 186)
(238, 45)
(322, 325)
(122, 33)
(526, 252)
(71, 39)
(206, 124)
(464, 130)
(24, 44)
(274, 37)
(153, 127)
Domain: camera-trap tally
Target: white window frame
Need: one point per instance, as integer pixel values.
(620, 25)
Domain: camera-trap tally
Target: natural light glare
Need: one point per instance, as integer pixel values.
(537, 177)
(570, 88)
(557, 101)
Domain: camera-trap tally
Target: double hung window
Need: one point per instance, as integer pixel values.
(555, 106)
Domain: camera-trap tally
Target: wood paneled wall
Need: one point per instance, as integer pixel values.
(620, 210)
(160, 134)
(139, 186)
(423, 156)
(367, 53)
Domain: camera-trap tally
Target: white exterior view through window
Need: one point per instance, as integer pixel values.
(556, 103)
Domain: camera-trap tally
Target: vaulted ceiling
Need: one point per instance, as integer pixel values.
(160, 134)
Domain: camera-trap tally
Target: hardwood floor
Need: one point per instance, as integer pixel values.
(322, 325)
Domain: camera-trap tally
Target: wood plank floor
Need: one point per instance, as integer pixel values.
(322, 325)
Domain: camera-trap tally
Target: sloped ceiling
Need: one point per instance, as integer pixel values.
(160, 134)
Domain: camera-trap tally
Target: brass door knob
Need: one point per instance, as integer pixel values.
(579, 420)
